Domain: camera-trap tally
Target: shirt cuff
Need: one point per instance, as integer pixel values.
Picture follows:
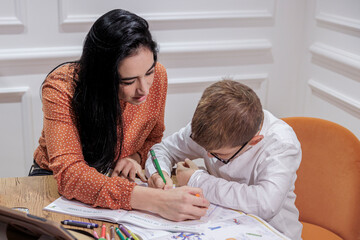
(150, 170)
(195, 177)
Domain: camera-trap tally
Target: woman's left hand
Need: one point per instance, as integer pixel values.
(128, 167)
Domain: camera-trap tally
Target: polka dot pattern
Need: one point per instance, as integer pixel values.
(60, 149)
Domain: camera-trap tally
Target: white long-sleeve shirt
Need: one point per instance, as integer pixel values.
(259, 181)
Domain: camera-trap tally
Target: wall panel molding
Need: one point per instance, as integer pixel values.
(24, 61)
(219, 53)
(33, 54)
(74, 19)
(208, 15)
(22, 96)
(335, 96)
(197, 84)
(12, 94)
(10, 58)
(185, 92)
(338, 22)
(253, 45)
(15, 23)
(343, 62)
(166, 20)
(254, 79)
(74, 22)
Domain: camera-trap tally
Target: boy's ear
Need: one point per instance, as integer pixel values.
(256, 139)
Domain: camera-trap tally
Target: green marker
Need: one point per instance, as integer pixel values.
(157, 166)
(120, 234)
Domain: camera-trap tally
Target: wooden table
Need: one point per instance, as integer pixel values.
(35, 193)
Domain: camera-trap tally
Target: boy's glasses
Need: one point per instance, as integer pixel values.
(233, 156)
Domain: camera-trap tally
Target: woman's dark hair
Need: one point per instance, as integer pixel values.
(98, 116)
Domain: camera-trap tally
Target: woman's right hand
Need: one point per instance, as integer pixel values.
(155, 181)
(183, 204)
(176, 204)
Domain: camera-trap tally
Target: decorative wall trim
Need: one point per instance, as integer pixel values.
(253, 45)
(339, 21)
(21, 94)
(80, 22)
(336, 59)
(15, 22)
(30, 54)
(209, 15)
(253, 78)
(10, 22)
(66, 19)
(12, 93)
(333, 95)
(258, 82)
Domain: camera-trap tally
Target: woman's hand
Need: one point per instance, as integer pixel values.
(155, 181)
(128, 167)
(184, 171)
(176, 204)
(183, 203)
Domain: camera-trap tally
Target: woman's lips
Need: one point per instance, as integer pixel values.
(141, 98)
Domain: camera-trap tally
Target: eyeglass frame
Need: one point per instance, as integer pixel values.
(233, 156)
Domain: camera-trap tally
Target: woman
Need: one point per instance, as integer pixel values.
(104, 112)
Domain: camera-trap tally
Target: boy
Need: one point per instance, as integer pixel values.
(251, 156)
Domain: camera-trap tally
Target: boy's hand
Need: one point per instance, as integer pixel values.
(155, 181)
(184, 171)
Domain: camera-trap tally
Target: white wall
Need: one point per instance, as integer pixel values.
(331, 62)
(301, 57)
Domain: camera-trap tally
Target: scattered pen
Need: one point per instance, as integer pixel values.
(77, 224)
(157, 166)
(112, 232)
(132, 234)
(107, 236)
(120, 234)
(95, 225)
(253, 234)
(95, 235)
(125, 231)
(103, 232)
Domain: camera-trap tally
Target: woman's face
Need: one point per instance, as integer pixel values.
(136, 76)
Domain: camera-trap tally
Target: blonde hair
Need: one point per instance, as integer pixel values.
(228, 115)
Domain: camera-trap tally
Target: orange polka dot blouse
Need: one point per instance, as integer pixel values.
(60, 149)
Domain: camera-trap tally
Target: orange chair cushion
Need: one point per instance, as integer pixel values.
(314, 232)
(328, 183)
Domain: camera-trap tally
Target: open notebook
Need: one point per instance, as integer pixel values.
(218, 222)
(139, 218)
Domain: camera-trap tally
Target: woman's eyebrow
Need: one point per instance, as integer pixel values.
(127, 79)
(152, 66)
(130, 78)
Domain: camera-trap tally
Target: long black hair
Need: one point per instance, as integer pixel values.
(98, 116)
